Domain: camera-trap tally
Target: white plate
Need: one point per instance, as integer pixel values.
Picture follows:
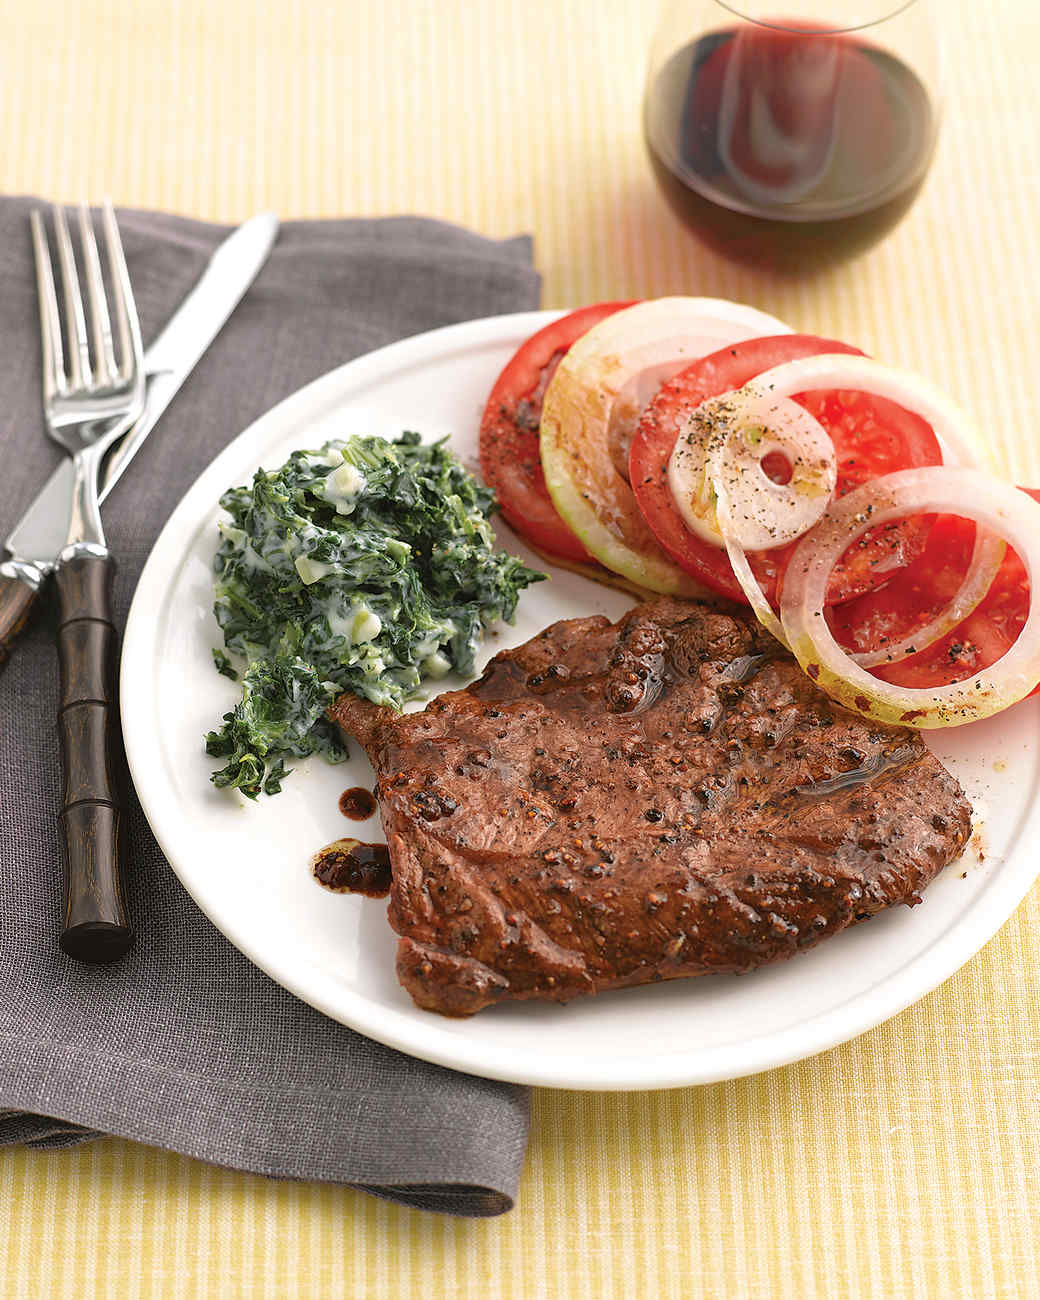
(247, 865)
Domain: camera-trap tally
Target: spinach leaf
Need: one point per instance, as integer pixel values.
(367, 566)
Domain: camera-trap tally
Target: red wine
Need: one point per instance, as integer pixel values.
(788, 149)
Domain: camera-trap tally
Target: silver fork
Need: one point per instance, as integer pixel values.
(88, 404)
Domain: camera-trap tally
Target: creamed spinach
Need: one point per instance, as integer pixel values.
(365, 566)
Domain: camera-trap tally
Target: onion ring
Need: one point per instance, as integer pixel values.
(743, 572)
(952, 427)
(841, 370)
(724, 443)
(986, 558)
(993, 504)
(592, 407)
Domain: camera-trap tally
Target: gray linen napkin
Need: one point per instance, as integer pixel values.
(185, 1044)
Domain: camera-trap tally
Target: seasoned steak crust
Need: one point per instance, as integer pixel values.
(618, 803)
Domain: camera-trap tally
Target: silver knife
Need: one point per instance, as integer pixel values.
(36, 540)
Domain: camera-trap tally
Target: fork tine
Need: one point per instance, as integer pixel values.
(50, 323)
(100, 325)
(75, 325)
(131, 349)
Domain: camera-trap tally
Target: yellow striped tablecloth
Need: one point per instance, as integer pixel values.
(904, 1164)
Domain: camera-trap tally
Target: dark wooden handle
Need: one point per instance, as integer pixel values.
(16, 603)
(96, 926)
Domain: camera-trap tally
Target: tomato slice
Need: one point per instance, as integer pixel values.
(509, 455)
(921, 591)
(871, 437)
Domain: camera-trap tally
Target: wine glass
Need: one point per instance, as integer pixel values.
(793, 133)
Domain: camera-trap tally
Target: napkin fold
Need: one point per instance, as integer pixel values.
(185, 1044)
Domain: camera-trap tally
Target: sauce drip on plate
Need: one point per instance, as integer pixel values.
(350, 867)
(357, 803)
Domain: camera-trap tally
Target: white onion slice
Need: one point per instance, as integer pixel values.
(592, 406)
(986, 558)
(994, 505)
(952, 427)
(744, 574)
(839, 370)
(723, 445)
(954, 430)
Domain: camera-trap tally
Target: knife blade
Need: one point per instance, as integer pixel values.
(38, 537)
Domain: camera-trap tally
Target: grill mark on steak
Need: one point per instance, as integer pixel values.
(615, 804)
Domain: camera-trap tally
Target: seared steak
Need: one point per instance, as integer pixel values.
(617, 803)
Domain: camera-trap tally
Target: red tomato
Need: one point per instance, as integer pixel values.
(509, 456)
(871, 437)
(923, 589)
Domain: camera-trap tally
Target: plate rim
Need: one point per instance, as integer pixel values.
(899, 988)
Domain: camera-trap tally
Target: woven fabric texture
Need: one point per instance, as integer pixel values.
(184, 1043)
